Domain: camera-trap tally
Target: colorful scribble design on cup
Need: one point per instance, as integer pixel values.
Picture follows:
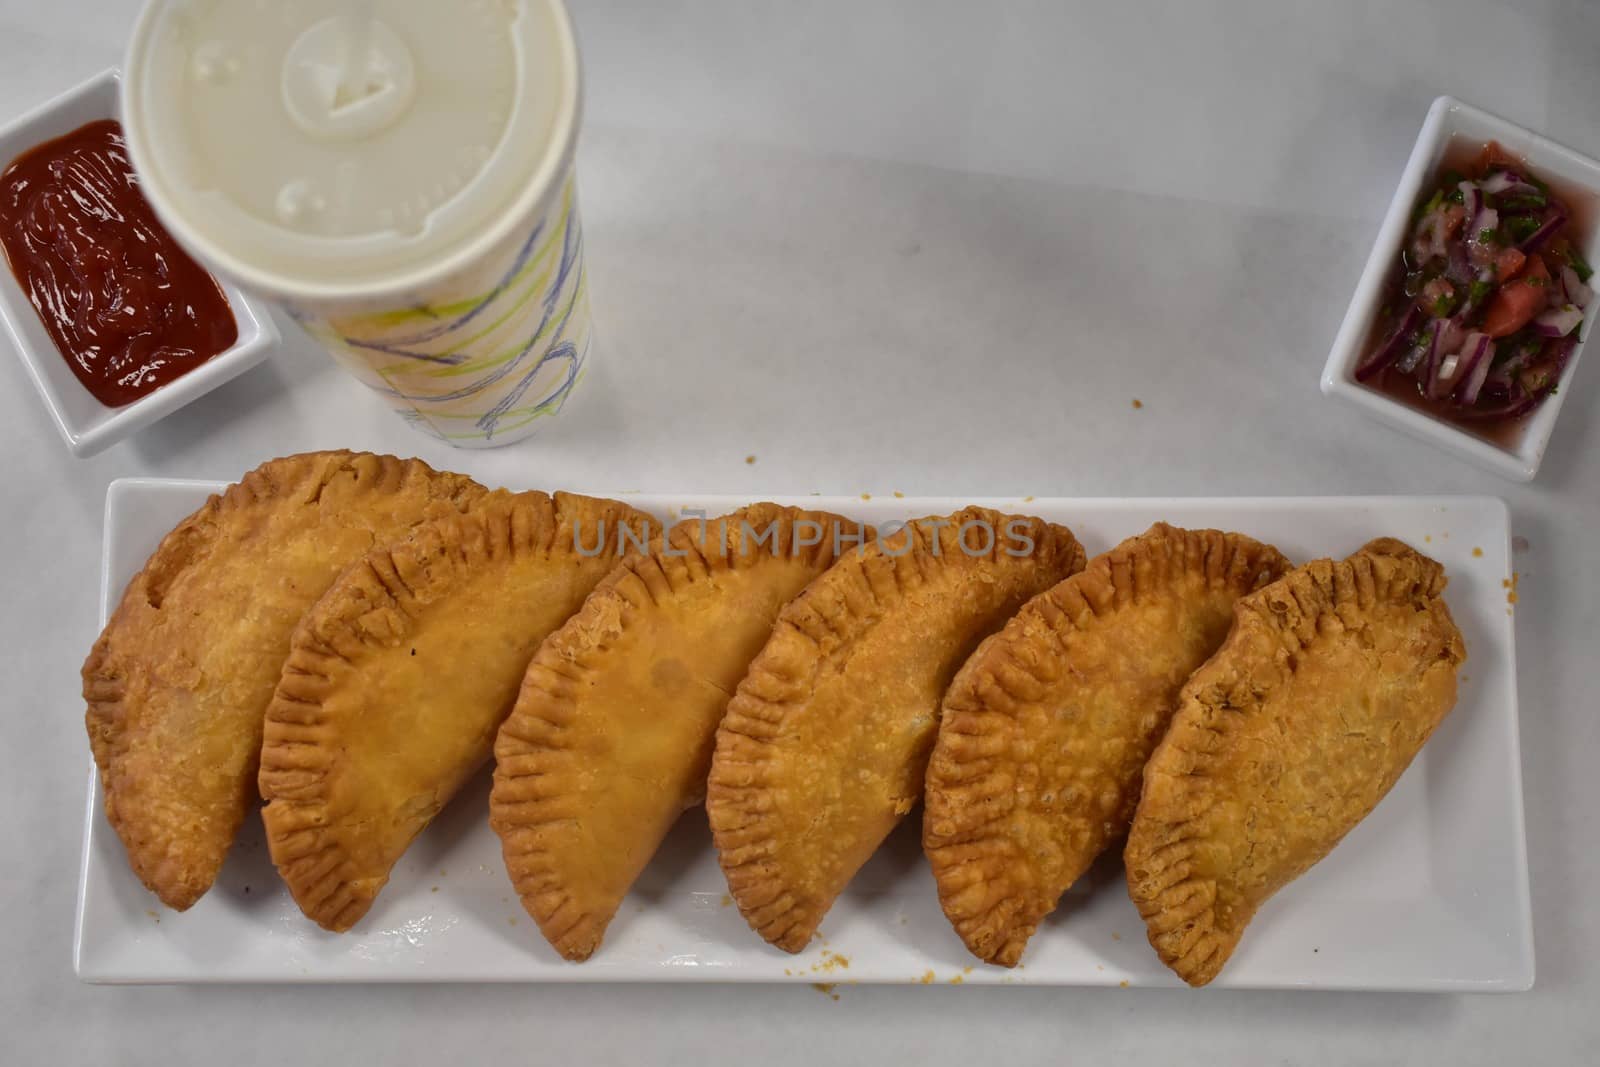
(490, 354)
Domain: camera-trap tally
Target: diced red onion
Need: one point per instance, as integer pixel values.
(1483, 219)
(1554, 216)
(1473, 377)
(1517, 406)
(1471, 198)
(1433, 350)
(1482, 249)
(1558, 323)
(1441, 371)
(1391, 348)
(1508, 380)
(1415, 356)
(1431, 242)
(1576, 292)
(1453, 333)
(1505, 181)
(1450, 369)
(1501, 181)
(1420, 360)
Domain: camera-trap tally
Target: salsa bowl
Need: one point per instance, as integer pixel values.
(1513, 450)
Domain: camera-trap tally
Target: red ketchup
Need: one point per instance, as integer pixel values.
(128, 309)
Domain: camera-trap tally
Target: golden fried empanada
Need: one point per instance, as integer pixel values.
(825, 743)
(611, 736)
(178, 681)
(1329, 683)
(399, 677)
(1046, 728)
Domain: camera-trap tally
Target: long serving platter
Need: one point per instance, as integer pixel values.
(1429, 893)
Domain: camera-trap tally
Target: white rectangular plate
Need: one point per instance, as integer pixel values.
(1429, 893)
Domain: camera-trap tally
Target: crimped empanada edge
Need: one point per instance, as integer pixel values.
(745, 833)
(984, 694)
(107, 714)
(1178, 906)
(577, 651)
(298, 757)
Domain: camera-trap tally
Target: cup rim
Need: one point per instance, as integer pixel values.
(544, 185)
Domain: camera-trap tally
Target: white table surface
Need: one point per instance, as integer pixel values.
(929, 247)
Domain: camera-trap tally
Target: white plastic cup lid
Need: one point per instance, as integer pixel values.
(343, 148)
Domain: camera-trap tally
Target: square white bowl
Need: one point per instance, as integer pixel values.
(88, 425)
(1451, 122)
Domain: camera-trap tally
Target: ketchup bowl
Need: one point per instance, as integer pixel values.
(86, 423)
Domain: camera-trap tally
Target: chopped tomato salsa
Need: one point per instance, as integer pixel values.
(1490, 294)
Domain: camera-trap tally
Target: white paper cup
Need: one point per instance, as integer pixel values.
(448, 272)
